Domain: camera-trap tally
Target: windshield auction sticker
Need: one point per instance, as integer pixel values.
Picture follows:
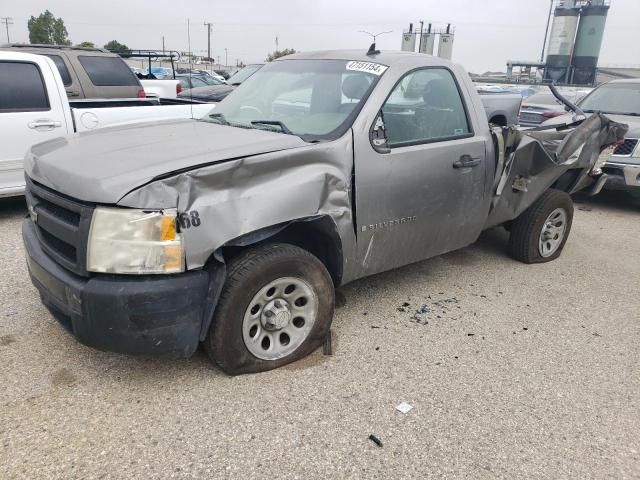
(367, 67)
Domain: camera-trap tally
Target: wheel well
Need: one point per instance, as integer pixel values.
(499, 120)
(567, 180)
(317, 236)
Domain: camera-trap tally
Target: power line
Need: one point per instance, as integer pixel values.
(7, 21)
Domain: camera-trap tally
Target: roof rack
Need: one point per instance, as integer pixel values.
(55, 47)
(172, 55)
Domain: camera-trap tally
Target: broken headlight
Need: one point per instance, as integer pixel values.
(134, 242)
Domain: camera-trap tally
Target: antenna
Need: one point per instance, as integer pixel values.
(190, 66)
(372, 49)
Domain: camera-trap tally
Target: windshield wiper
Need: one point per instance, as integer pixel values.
(630, 114)
(219, 117)
(276, 123)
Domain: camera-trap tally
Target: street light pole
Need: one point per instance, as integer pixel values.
(226, 57)
(209, 25)
(546, 32)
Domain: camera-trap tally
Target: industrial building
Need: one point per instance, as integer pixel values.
(575, 41)
(577, 29)
(426, 39)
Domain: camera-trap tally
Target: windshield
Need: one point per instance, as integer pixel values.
(241, 75)
(621, 98)
(314, 99)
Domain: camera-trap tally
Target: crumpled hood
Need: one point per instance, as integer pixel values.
(102, 166)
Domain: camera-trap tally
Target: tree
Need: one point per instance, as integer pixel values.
(86, 45)
(280, 53)
(48, 30)
(116, 46)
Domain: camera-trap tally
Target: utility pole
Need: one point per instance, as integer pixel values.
(226, 57)
(209, 26)
(163, 44)
(7, 21)
(276, 42)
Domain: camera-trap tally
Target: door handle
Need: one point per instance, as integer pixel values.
(44, 124)
(466, 161)
(73, 93)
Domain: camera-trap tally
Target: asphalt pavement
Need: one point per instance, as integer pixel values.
(512, 370)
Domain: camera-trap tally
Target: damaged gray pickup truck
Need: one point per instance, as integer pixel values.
(234, 230)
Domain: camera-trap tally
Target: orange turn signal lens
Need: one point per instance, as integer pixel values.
(167, 228)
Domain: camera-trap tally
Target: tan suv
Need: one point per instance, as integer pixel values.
(88, 72)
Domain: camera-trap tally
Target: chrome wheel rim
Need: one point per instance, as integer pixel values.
(279, 318)
(552, 233)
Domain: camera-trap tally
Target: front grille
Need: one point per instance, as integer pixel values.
(62, 225)
(626, 148)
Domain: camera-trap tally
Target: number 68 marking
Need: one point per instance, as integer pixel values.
(189, 219)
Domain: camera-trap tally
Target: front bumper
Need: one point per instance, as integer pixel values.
(155, 314)
(621, 175)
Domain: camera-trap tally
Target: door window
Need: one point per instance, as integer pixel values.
(425, 106)
(62, 68)
(108, 71)
(22, 88)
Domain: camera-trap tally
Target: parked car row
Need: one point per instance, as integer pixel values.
(88, 72)
(34, 108)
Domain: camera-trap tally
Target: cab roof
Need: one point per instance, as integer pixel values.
(385, 57)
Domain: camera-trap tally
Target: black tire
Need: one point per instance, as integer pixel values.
(246, 275)
(527, 228)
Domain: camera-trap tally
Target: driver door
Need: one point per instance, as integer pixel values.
(420, 190)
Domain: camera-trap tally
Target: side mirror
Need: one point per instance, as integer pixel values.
(378, 135)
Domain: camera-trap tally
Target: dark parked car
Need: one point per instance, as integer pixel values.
(223, 73)
(619, 100)
(193, 81)
(241, 75)
(88, 72)
(210, 93)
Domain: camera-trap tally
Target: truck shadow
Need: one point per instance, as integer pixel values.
(622, 201)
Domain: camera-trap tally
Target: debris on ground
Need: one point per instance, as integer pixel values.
(585, 208)
(404, 307)
(404, 407)
(434, 309)
(375, 440)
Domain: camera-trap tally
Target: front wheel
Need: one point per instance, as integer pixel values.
(539, 234)
(276, 307)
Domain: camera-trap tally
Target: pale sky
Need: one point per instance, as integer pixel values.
(488, 32)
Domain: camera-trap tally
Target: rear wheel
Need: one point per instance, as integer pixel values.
(276, 307)
(539, 234)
